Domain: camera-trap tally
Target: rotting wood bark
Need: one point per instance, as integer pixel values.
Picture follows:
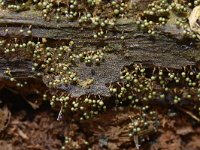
(166, 49)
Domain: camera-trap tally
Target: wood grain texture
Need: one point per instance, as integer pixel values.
(166, 49)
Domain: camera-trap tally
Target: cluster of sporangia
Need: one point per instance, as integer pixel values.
(54, 62)
(142, 123)
(159, 12)
(138, 85)
(97, 13)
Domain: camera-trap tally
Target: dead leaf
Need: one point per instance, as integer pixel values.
(185, 130)
(5, 146)
(22, 134)
(4, 117)
(194, 20)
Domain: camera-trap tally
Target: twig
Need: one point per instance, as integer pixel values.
(190, 114)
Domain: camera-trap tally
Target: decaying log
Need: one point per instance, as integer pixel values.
(166, 49)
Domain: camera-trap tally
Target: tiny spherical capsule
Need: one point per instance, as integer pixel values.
(116, 11)
(138, 22)
(130, 97)
(135, 80)
(198, 76)
(114, 90)
(123, 89)
(76, 105)
(153, 77)
(121, 77)
(21, 30)
(102, 24)
(128, 78)
(29, 32)
(187, 79)
(189, 96)
(177, 81)
(183, 74)
(154, 93)
(33, 68)
(95, 35)
(130, 134)
(57, 17)
(194, 84)
(52, 69)
(101, 103)
(138, 129)
(12, 79)
(160, 73)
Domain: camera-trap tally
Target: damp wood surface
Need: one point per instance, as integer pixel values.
(166, 49)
